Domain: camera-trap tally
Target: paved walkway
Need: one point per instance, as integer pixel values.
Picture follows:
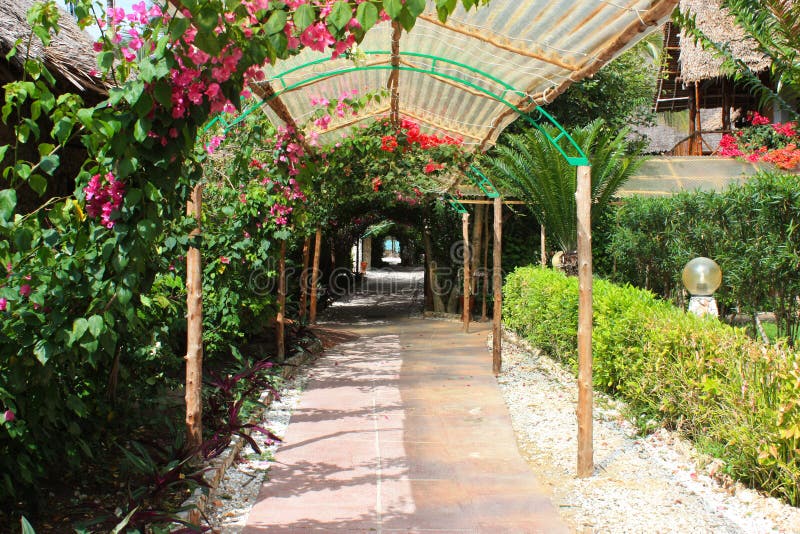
(402, 429)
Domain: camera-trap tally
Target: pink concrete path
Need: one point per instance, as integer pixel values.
(403, 430)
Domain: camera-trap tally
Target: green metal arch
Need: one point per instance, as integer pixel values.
(538, 117)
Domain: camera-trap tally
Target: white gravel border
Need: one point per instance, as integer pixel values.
(657, 483)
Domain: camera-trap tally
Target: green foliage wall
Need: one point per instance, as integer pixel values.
(735, 398)
(750, 230)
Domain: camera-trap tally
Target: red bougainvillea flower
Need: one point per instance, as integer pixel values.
(9, 416)
(376, 184)
(787, 128)
(758, 119)
(224, 260)
(388, 143)
(432, 167)
(25, 290)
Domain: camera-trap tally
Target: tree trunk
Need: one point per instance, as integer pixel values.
(304, 278)
(467, 311)
(485, 279)
(312, 317)
(279, 323)
(583, 197)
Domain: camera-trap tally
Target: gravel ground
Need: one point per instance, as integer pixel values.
(657, 483)
(230, 503)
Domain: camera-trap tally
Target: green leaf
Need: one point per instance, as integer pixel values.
(49, 164)
(179, 27)
(96, 325)
(25, 525)
(44, 350)
(62, 129)
(340, 15)
(22, 239)
(79, 328)
(415, 7)
(393, 8)
(140, 129)
(207, 19)
(163, 93)
(276, 22)
(124, 295)
(105, 60)
(367, 15)
(407, 20)
(8, 202)
(147, 228)
(38, 183)
(304, 16)
(3, 150)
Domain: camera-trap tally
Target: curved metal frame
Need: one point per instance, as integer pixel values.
(538, 117)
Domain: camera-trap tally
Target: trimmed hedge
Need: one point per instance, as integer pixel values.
(737, 399)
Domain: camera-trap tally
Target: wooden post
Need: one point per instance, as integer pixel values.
(485, 280)
(544, 248)
(279, 323)
(467, 276)
(194, 329)
(312, 316)
(497, 282)
(304, 278)
(583, 197)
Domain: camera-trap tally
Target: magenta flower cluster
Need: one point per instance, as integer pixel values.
(104, 196)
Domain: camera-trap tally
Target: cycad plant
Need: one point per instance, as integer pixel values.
(529, 167)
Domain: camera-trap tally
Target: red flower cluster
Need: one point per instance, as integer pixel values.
(431, 167)
(388, 143)
(787, 157)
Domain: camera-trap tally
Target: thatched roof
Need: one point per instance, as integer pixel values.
(69, 57)
(718, 24)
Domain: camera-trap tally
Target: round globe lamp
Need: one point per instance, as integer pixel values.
(701, 277)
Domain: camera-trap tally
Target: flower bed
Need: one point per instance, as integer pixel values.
(761, 141)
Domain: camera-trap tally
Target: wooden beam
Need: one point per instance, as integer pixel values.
(583, 197)
(312, 316)
(194, 329)
(280, 333)
(467, 275)
(497, 282)
(485, 281)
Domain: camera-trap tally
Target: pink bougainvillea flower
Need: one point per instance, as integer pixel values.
(3, 304)
(9, 416)
(317, 37)
(224, 260)
(25, 290)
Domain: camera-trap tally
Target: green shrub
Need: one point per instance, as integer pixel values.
(725, 391)
(751, 230)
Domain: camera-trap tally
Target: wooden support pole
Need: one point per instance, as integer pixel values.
(194, 329)
(304, 278)
(583, 197)
(467, 275)
(544, 247)
(312, 316)
(485, 281)
(280, 334)
(497, 282)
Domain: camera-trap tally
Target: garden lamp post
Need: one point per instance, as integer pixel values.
(701, 277)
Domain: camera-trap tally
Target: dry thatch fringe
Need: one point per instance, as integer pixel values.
(69, 57)
(698, 64)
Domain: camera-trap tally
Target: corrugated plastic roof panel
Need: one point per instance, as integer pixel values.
(470, 77)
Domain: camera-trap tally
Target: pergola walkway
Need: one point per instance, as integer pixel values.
(401, 429)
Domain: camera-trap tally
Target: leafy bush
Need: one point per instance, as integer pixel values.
(730, 394)
(751, 230)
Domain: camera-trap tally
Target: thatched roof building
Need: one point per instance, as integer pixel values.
(69, 57)
(687, 63)
(691, 78)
